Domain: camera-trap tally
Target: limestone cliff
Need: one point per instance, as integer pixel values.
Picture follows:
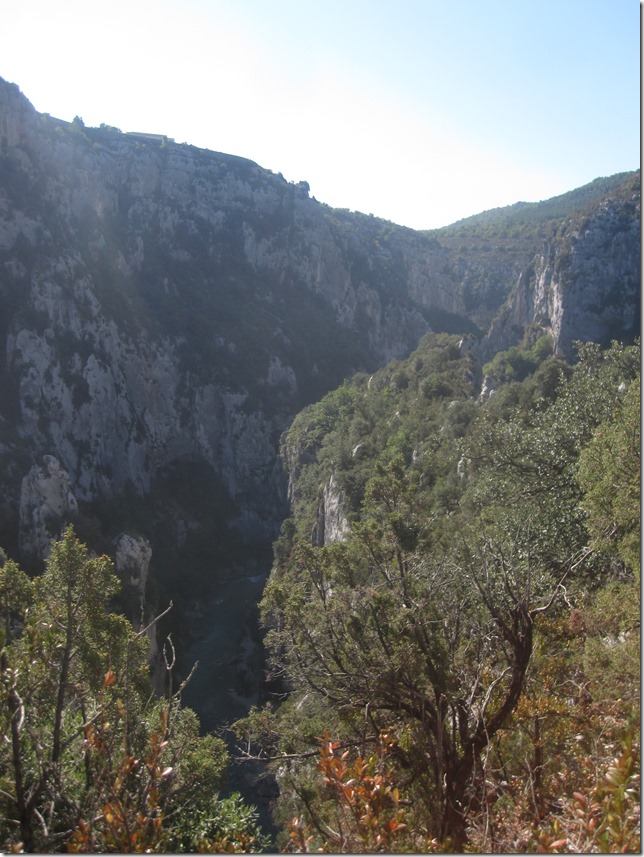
(46, 502)
(331, 524)
(166, 304)
(585, 284)
(166, 310)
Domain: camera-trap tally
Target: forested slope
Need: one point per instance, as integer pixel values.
(468, 629)
(453, 597)
(453, 619)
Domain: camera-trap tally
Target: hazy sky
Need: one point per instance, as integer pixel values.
(418, 111)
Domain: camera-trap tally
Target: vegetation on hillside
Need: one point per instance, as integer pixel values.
(460, 668)
(490, 250)
(91, 761)
(459, 665)
(537, 214)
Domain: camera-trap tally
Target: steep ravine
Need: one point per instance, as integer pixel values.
(165, 304)
(165, 311)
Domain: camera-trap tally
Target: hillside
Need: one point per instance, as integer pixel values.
(218, 379)
(492, 250)
(538, 214)
(167, 311)
(454, 604)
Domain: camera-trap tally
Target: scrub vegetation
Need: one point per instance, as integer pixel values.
(458, 669)
(461, 668)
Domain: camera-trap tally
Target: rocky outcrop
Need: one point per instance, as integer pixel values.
(487, 389)
(47, 503)
(167, 310)
(331, 524)
(132, 555)
(585, 285)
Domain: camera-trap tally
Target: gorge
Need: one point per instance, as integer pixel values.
(167, 311)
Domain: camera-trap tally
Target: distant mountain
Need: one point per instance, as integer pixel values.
(491, 251)
(496, 220)
(584, 284)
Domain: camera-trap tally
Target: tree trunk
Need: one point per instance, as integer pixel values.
(453, 822)
(14, 705)
(63, 680)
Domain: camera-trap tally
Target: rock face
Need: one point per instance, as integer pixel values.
(47, 502)
(332, 524)
(166, 310)
(163, 303)
(132, 555)
(585, 285)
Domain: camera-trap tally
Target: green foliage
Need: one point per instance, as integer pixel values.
(398, 410)
(517, 363)
(611, 652)
(467, 610)
(226, 826)
(609, 474)
(91, 760)
(527, 458)
(16, 594)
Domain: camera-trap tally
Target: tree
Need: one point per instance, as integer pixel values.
(55, 661)
(431, 646)
(92, 761)
(422, 622)
(609, 475)
(15, 597)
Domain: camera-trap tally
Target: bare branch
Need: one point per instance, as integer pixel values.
(154, 621)
(169, 665)
(490, 690)
(307, 754)
(185, 682)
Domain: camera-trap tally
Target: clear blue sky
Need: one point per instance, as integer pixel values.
(418, 111)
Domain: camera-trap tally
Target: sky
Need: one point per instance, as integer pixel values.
(421, 112)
